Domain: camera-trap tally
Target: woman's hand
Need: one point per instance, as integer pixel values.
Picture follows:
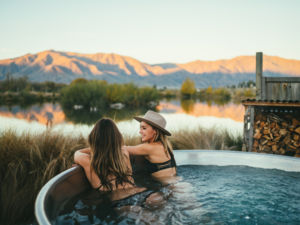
(85, 150)
(82, 156)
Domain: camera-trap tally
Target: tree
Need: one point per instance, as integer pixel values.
(88, 94)
(79, 80)
(209, 91)
(188, 87)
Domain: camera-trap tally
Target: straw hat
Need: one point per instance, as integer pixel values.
(154, 119)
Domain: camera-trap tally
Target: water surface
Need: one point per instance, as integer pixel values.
(203, 195)
(37, 118)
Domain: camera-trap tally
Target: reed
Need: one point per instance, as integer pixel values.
(131, 139)
(29, 160)
(210, 139)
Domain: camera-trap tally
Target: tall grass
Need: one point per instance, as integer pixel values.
(206, 139)
(28, 161)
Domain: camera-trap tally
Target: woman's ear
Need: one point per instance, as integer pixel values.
(154, 132)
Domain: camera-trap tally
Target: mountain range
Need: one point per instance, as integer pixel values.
(63, 67)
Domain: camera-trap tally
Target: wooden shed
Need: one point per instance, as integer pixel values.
(272, 120)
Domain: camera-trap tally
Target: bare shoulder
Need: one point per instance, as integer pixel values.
(82, 158)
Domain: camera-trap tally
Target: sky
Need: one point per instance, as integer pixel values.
(152, 31)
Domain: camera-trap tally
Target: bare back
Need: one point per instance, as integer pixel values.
(83, 158)
(155, 154)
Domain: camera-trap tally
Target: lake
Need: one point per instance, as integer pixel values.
(179, 115)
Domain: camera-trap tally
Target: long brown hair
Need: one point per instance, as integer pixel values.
(107, 158)
(162, 138)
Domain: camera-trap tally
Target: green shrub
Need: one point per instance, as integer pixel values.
(188, 87)
(88, 94)
(99, 94)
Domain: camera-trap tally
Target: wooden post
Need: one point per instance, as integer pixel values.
(251, 131)
(259, 69)
(248, 128)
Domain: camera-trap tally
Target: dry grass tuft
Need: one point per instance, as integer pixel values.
(27, 162)
(132, 140)
(210, 139)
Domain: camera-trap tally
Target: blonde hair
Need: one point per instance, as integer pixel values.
(162, 138)
(107, 158)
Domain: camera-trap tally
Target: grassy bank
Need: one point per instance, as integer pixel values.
(28, 161)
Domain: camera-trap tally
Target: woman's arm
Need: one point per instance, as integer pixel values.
(142, 149)
(83, 158)
(127, 157)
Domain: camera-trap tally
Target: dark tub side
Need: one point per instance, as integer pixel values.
(58, 191)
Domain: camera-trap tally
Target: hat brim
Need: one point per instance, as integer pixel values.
(140, 119)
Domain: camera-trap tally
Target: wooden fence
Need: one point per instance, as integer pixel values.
(275, 88)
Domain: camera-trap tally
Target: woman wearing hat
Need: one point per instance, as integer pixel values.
(156, 148)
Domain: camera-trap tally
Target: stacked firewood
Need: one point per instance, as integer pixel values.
(277, 134)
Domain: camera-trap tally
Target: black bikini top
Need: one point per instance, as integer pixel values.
(154, 167)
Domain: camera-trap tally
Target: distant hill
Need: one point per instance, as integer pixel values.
(63, 67)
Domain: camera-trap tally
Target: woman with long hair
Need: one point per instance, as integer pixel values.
(156, 148)
(106, 165)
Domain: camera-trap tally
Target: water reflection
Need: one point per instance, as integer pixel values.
(50, 114)
(53, 114)
(82, 116)
(187, 105)
(191, 107)
(42, 114)
(34, 119)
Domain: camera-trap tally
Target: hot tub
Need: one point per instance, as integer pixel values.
(72, 182)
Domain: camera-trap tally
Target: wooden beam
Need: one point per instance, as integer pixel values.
(259, 69)
(262, 103)
(282, 79)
